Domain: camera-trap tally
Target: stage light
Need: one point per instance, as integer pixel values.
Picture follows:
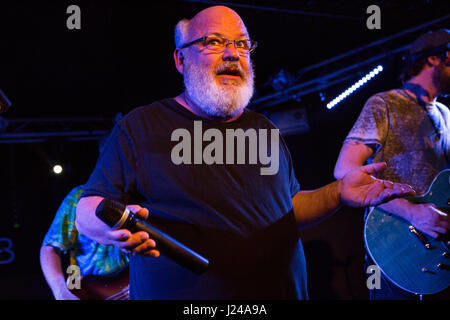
(57, 169)
(322, 96)
(354, 87)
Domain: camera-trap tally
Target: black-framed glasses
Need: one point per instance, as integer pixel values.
(219, 44)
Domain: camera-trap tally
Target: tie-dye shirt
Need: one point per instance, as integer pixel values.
(92, 257)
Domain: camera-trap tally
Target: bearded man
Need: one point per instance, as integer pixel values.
(410, 130)
(244, 222)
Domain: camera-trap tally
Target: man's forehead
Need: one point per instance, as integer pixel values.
(217, 20)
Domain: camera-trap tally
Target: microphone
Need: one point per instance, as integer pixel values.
(5, 104)
(117, 216)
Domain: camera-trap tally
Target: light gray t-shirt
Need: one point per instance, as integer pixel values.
(412, 139)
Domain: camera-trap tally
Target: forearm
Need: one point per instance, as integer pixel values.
(357, 189)
(353, 155)
(343, 167)
(52, 268)
(399, 207)
(424, 216)
(87, 222)
(311, 207)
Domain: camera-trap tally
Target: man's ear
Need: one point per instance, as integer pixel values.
(179, 60)
(433, 61)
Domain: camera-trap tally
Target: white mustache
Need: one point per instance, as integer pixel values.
(230, 68)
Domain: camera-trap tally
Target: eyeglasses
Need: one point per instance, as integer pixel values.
(218, 44)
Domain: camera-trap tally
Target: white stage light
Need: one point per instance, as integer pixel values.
(57, 169)
(357, 85)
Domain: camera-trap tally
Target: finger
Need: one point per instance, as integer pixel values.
(440, 230)
(133, 241)
(402, 190)
(145, 247)
(134, 207)
(410, 190)
(374, 167)
(434, 234)
(119, 235)
(397, 191)
(380, 194)
(142, 213)
(152, 253)
(443, 224)
(445, 219)
(388, 184)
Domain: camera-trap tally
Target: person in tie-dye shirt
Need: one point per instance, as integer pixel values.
(63, 238)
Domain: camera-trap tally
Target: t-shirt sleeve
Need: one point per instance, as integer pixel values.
(444, 127)
(114, 176)
(62, 233)
(293, 182)
(294, 185)
(372, 124)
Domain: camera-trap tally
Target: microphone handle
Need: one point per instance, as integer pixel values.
(169, 246)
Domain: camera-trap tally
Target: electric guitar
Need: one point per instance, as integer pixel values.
(410, 259)
(104, 287)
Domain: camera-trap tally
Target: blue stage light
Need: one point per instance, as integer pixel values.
(357, 85)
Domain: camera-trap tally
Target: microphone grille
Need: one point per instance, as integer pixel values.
(110, 211)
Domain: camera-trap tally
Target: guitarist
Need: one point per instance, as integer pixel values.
(410, 130)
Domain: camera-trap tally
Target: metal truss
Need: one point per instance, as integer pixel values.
(330, 72)
(308, 80)
(46, 129)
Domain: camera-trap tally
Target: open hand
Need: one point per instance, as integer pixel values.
(358, 188)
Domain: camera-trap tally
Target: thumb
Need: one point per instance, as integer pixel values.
(142, 214)
(374, 167)
(139, 212)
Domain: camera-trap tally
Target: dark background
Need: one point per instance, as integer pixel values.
(122, 58)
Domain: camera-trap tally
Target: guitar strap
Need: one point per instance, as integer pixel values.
(419, 92)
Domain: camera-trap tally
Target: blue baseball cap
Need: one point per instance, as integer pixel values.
(430, 43)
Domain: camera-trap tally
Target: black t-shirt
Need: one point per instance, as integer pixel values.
(227, 210)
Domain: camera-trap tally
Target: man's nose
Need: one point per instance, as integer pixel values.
(230, 52)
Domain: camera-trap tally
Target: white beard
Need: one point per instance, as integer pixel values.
(222, 101)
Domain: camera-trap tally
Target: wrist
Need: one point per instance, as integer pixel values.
(409, 209)
(337, 192)
(400, 207)
(60, 292)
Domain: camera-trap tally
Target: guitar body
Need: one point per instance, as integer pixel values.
(401, 254)
(104, 287)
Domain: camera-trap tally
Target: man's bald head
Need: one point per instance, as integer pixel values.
(187, 30)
